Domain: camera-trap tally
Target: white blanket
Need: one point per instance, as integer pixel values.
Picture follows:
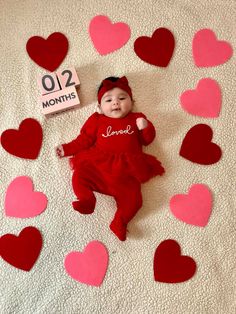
(129, 285)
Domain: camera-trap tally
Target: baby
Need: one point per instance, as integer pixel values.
(108, 157)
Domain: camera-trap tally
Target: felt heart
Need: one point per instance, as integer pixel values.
(48, 53)
(208, 51)
(90, 266)
(21, 201)
(197, 146)
(108, 37)
(205, 101)
(156, 50)
(21, 251)
(25, 142)
(193, 208)
(170, 266)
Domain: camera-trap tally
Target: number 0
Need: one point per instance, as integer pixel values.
(47, 87)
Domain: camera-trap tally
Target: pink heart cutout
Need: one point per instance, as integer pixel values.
(108, 37)
(193, 208)
(89, 266)
(204, 101)
(208, 51)
(21, 201)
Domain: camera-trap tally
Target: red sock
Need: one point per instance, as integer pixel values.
(119, 228)
(83, 207)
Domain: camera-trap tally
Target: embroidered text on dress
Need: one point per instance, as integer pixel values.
(110, 132)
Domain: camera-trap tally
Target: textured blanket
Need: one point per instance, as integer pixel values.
(161, 93)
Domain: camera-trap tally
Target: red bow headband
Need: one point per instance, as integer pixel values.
(107, 85)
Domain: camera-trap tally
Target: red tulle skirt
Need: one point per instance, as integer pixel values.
(140, 165)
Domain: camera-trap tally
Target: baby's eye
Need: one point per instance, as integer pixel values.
(108, 100)
(122, 98)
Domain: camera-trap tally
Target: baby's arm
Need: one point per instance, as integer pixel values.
(147, 130)
(86, 139)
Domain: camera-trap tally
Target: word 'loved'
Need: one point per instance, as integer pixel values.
(110, 132)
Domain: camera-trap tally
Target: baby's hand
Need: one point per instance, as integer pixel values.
(141, 123)
(60, 151)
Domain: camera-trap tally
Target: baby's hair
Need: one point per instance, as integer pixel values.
(110, 78)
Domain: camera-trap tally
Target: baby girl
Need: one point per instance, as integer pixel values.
(108, 157)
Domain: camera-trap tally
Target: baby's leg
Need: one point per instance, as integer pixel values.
(129, 200)
(83, 191)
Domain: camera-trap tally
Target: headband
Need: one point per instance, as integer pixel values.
(107, 85)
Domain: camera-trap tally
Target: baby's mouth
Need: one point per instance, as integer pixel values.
(116, 109)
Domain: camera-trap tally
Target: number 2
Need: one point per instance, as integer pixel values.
(69, 81)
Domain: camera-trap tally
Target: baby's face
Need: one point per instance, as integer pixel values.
(116, 103)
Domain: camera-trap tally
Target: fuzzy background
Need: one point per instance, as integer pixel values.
(129, 285)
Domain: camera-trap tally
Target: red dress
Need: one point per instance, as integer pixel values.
(114, 147)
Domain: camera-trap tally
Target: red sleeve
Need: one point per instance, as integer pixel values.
(86, 138)
(148, 134)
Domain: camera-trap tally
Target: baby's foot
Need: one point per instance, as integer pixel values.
(82, 208)
(119, 229)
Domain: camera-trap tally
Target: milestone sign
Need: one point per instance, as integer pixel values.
(58, 91)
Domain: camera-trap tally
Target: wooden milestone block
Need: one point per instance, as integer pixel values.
(48, 83)
(68, 78)
(62, 100)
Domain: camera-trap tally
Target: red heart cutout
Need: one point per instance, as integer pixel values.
(197, 146)
(156, 50)
(22, 251)
(170, 266)
(48, 53)
(25, 142)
